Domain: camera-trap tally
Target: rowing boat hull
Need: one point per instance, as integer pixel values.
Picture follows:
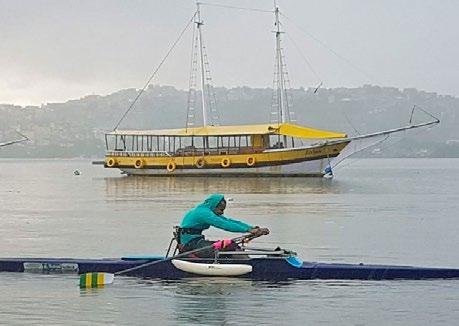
(270, 269)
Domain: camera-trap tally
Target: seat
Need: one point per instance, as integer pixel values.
(180, 248)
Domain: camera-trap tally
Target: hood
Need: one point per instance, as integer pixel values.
(212, 201)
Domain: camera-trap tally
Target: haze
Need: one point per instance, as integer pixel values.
(54, 50)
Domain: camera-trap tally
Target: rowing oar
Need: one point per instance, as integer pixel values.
(99, 279)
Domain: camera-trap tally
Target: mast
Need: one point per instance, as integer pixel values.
(199, 23)
(280, 70)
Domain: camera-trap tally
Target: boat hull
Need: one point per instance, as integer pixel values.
(270, 268)
(309, 161)
(313, 168)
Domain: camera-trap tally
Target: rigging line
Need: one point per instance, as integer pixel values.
(24, 136)
(401, 137)
(319, 79)
(428, 113)
(233, 7)
(371, 78)
(191, 80)
(317, 88)
(412, 112)
(383, 147)
(349, 121)
(304, 58)
(156, 70)
(339, 166)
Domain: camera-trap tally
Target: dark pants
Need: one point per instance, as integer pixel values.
(208, 252)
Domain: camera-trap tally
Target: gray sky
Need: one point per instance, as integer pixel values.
(55, 50)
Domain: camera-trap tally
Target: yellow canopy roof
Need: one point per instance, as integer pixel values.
(285, 129)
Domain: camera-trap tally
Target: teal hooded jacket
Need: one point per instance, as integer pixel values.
(202, 217)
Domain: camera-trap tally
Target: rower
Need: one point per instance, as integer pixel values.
(204, 215)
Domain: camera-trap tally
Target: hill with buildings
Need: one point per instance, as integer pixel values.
(76, 128)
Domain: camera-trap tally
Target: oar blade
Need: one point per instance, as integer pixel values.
(95, 279)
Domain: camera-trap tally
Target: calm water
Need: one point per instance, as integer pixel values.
(374, 211)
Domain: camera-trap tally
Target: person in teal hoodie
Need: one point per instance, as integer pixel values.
(203, 216)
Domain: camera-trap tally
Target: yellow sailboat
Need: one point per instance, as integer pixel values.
(224, 150)
(281, 148)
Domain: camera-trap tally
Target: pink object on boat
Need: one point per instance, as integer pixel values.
(221, 244)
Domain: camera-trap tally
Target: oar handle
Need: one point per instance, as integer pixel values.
(184, 254)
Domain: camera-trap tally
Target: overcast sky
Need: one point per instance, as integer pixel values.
(55, 50)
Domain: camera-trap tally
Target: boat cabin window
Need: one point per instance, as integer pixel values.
(276, 141)
(279, 141)
(152, 145)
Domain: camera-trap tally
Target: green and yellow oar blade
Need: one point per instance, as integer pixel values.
(95, 279)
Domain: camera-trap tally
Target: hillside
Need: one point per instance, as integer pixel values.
(76, 128)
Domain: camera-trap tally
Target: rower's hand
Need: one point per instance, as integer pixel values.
(257, 231)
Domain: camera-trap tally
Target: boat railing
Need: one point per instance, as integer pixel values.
(138, 153)
(187, 152)
(217, 151)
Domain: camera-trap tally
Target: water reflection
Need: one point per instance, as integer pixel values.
(139, 185)
(215, 301)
